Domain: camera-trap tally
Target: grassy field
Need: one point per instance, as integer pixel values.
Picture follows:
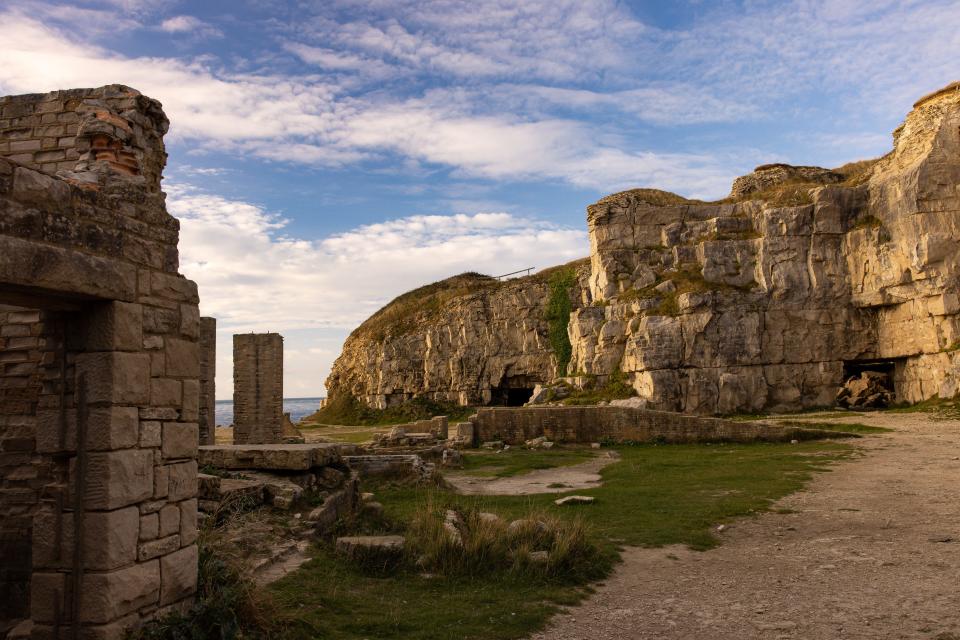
(844, 427)
(655, 495)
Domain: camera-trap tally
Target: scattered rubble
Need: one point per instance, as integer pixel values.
(869, 390)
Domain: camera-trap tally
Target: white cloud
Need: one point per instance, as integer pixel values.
(253, 277)
(306, 119)
(191, 25)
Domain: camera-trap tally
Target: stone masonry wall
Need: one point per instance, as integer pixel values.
(620, 424)
(110, 422)
(257, 388)
(208, 375)
(23, 473)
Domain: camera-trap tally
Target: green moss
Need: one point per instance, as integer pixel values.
(517, 461)
(558, 311)
(616, 388)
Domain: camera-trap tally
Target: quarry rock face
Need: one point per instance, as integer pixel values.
(768, 300)
(483, 345)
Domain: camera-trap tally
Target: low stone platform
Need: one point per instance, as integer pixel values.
(515, 426)
(274, 457)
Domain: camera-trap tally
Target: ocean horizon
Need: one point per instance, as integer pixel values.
(298, 408)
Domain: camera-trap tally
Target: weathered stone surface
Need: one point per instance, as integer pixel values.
(291, 457)
(117, 478)
(115, 377)
(178, 574)
(110, 539)
(370, 548)
(108, 596)
(182, 481)
(179, 440)
(869, 390)
(257, 388)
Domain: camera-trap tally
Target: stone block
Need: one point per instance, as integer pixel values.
(157, 548)
(111, 428)
(169, 520)
(117, 478)
(108, 596)
(287, 457)
(116, 377)
(173, 287)
(149, 526)
(188, 522)
(161, 481)
(178, 572)
(65, 270)
(113, 326)
(165, 392)
(190, 410)
(180, 440)
(183, 481)
(190, 321)
(182, 358)
(150, 433)
(110, 538)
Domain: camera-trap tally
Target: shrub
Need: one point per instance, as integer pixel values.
(491, 545)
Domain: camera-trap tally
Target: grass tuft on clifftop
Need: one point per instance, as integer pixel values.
(347, 410)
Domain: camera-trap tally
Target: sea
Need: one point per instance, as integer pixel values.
(297, 408)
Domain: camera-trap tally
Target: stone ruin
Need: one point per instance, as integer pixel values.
(100, 378)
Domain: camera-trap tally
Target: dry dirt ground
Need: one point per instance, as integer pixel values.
(577, 476)
(871, 550)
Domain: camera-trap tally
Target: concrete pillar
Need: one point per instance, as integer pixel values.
(208, 374)
(257, 388)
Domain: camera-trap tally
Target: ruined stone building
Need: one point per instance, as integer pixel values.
(767, 300)
(100, 377)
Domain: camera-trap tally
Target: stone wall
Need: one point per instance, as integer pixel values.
(208, 376)
(23, 346)
(619, 424)
(102, 436)
(257, 388)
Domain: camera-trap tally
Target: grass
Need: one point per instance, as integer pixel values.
(654, 495)
(943, 409)
(342, 409)
(844, 427)
(516, 461)
(352, 435)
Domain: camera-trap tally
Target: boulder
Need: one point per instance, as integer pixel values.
(869, 390)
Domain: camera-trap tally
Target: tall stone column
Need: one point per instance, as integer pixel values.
(208, 374)
(257, 388)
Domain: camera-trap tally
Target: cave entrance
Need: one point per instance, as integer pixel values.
(513, 391)
(868, 384)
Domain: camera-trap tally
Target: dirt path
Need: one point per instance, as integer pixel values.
(585, 475)
(873, 551)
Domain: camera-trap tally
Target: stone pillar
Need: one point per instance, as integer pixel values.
(208, 374)
(257, 388)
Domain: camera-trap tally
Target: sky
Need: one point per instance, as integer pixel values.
(326, 156)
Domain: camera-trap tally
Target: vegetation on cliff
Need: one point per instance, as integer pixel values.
(558, 316)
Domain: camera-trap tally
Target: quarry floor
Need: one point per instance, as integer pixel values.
(868, 550)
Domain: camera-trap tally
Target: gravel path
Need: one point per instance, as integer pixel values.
(873, 551)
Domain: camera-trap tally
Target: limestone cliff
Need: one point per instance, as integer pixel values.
(767, 300)
(470, 339)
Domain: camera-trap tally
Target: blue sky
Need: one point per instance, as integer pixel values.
(326, 156)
